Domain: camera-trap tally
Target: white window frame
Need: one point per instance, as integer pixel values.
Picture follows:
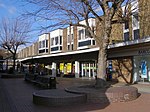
(54, 43)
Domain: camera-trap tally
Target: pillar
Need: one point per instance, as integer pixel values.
(89, 69)
(54, 69)
(77, 69)
(82, 69)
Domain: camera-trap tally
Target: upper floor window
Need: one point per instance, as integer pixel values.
(56, 41)
(126, 25)
(87, 34)
(126, 36)
(135, 21)
(46, 43)
(43, 43)
(81, 34)
(60, 39)
(135, 25)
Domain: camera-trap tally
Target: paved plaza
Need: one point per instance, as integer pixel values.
(16, 96)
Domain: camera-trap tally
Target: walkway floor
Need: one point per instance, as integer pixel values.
(16, 96)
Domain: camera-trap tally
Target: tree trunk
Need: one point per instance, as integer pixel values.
(14, 62)
(102, 57)
(101, 70)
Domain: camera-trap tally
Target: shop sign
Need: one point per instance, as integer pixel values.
(144, 52)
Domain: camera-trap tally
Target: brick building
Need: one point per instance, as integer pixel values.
(73, 51)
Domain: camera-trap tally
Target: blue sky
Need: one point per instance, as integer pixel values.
(9, 8)
(12, 9)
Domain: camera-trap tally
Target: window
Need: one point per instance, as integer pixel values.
(40, 44)
(87, 34)
(135, 20)
(60, 40)
(81, 34)
(56, 41)
(46, 43)
(126, 36)
(136, 34)
(135, 25)
(126, 25)
(52, 41)
(43, 43)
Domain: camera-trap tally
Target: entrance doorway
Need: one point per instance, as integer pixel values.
(88, 69)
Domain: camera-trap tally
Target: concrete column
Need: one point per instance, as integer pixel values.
(54, 69)
(93, 70)
(89, 70)
(82, 69)
(77, 69)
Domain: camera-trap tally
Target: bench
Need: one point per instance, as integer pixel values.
(46, 81)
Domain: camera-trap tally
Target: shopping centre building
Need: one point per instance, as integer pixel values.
(72, 51)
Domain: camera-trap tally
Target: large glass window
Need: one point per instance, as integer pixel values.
(81, 34)
(56, 43)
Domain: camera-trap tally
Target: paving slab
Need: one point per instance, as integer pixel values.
(16, 96)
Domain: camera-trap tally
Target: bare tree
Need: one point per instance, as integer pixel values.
(13, 34)
(71, 12)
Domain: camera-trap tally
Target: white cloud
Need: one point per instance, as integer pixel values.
(12, 10)
(2, 5)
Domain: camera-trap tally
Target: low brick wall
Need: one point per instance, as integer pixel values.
(57, 97)
(122, 94)
(104, 95)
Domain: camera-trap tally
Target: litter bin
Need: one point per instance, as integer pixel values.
(52, 82)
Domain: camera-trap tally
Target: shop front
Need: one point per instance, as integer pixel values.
(142, 68)
(88, 69)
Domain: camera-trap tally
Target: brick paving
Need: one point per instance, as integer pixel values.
(16, 96)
